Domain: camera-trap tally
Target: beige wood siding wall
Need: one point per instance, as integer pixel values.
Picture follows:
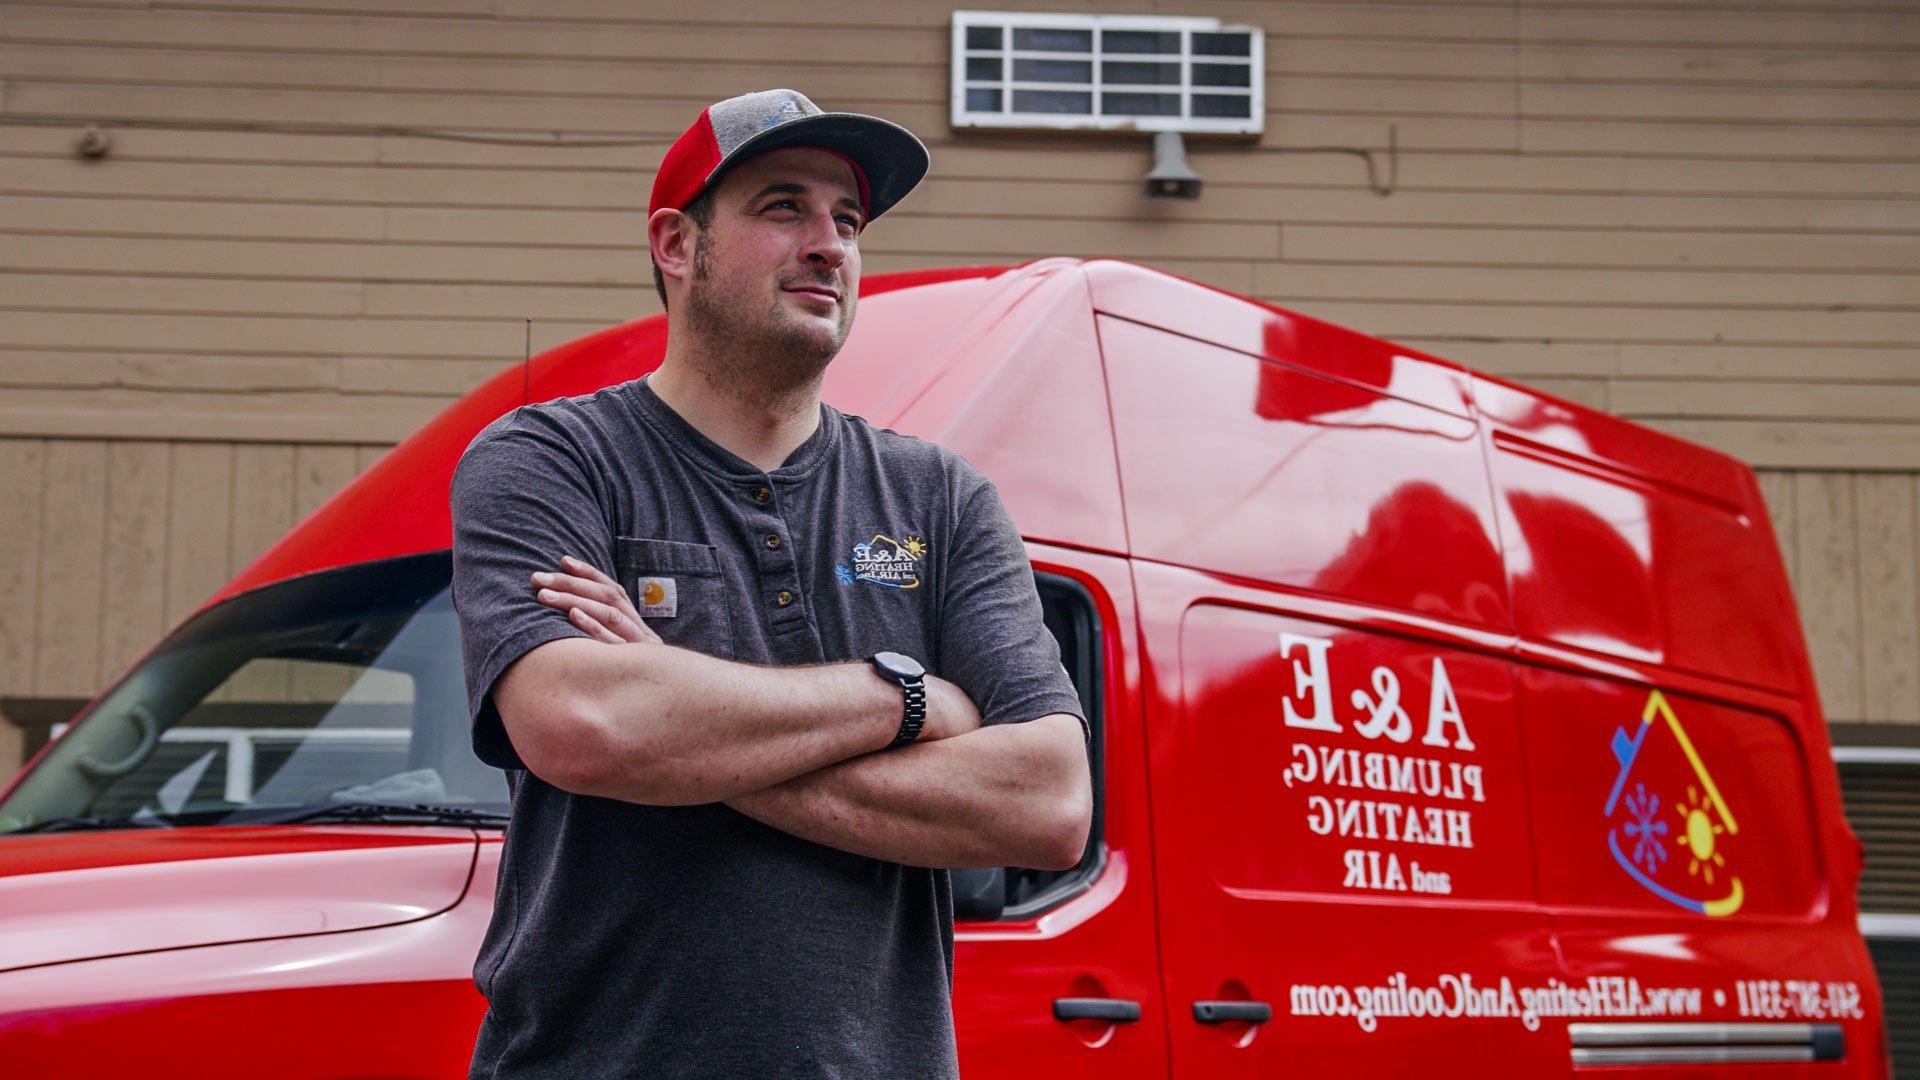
(1702, 214)
(1851, 541)
(110, 543)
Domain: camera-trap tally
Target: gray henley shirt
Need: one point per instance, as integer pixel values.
(693, 941)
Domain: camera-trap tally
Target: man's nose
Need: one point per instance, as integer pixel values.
(825, 245)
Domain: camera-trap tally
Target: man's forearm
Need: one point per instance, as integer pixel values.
(671, 726)
(1005, 795)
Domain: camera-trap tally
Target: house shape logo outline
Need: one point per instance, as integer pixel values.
(1626, 750)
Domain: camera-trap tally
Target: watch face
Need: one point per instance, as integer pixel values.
(900, 664)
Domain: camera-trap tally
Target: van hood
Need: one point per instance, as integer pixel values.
(86, 895)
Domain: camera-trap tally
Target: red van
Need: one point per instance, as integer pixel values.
(1443, 727)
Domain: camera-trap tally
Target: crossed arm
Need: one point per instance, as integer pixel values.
(802, 749)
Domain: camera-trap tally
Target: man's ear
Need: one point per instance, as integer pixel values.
(671, 235)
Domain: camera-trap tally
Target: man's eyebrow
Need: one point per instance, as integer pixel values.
(782, 186)
(788, 187)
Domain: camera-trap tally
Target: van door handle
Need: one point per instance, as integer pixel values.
(1117, 1010)
(1219, 1012)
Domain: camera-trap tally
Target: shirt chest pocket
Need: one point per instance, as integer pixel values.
(679, 591)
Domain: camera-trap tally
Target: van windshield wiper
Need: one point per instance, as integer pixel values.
(382, 814)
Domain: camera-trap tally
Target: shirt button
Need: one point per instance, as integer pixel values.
(784, 598)
(761, 494)
(772, 540)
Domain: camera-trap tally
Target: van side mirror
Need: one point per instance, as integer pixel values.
(979, 894)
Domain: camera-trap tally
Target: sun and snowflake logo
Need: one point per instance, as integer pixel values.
(1650, 833)
(884, 561)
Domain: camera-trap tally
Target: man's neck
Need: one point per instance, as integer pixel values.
(760, 425)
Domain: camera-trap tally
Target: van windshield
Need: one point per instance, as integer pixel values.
(334, 696)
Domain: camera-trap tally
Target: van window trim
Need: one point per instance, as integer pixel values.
(1090, 681)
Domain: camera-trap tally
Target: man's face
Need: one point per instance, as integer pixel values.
(776, 275)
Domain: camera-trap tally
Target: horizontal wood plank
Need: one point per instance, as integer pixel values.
(1827, 365)
(1605, 322)
(1729, 398)
(1680, 247)
(1800, 444)
(263, 417)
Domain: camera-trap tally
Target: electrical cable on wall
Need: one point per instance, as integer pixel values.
(94, 143)
(557, 140)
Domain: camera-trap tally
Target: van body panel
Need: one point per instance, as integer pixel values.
(1342, 837)
(1653, 801)
(1695, 865)
(92, 895)
(880, 380)
(1679, 969)
(1023, 398)
(1205, 313)
(391, 1001)
(1237, 464)
(1340, 737)
(1620, 444)
(1668, 705)
(1622, 558)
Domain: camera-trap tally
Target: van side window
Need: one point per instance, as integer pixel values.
(1070, 615)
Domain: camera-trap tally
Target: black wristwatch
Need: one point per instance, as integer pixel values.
(905, 670)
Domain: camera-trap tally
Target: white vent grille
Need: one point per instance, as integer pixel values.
(1016, 69)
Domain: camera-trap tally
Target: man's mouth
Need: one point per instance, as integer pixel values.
(820, 291)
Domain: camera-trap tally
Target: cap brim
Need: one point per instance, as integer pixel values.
(894, 159)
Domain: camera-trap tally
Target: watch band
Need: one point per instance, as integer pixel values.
(911, 677)
(915, 714)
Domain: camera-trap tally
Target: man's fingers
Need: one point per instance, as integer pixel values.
(588, 569)
(644, 632)
(624, 627)
(599, 630)
(586, 622)
(607, 593)
(603, 599)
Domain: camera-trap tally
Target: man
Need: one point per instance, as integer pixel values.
(694, 607)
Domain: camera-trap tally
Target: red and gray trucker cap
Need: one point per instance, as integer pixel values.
(887, 159)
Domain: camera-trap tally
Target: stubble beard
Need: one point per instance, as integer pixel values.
(769, 356)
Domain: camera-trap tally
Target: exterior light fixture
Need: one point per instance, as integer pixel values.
(1171, 176)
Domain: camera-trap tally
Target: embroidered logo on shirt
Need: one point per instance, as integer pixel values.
(659, 598)
(885, 561)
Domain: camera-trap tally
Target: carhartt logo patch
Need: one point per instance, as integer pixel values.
(659, 598)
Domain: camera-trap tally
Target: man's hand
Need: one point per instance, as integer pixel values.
(599, 605)
(594, 602)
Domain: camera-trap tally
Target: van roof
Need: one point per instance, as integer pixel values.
(1000, 363)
